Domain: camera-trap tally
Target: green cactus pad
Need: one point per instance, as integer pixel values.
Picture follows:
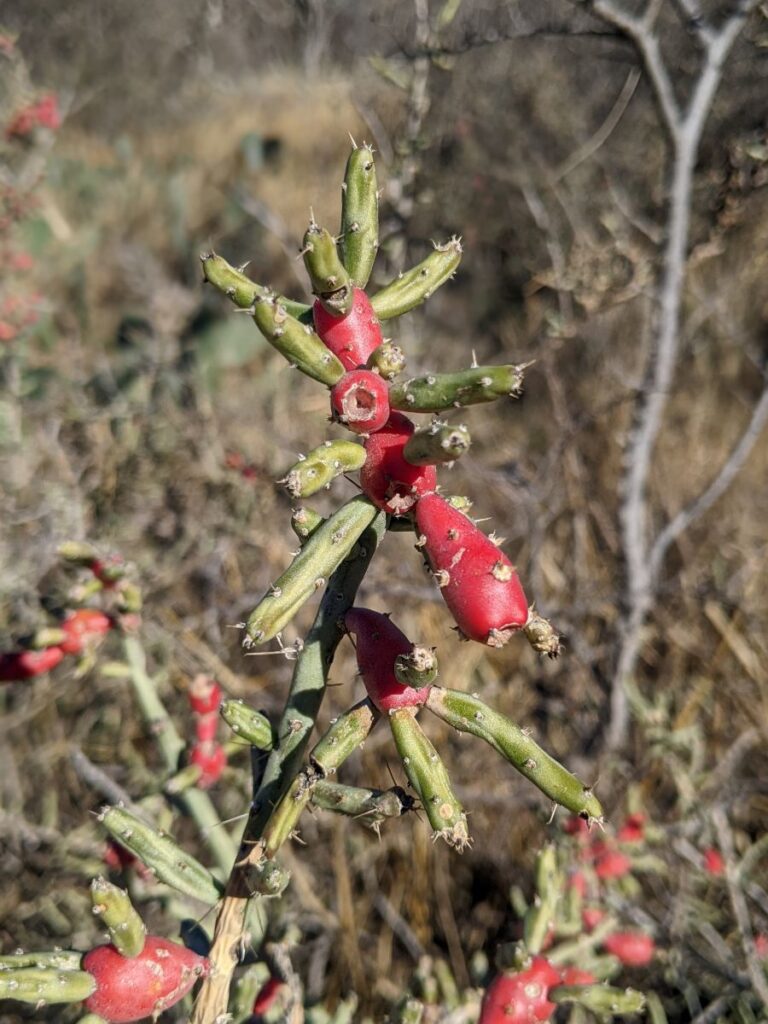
(600, 999)
(305, 521)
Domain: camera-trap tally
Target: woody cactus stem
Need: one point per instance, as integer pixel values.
(307, 690)
(240, 289)
(435, 392)
(429, 778)
(321, 555)
(469, 714)
(417, 284)
(321, 466)
(359, 237)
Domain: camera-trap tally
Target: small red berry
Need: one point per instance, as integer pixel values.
(353, 336)
(578, 882)
(206, 727)
(521, 998)
(360, 400)
(591, 918)
(633, 829)
(84, 628)
(713, 862)
(132, 988)
(575, 976)
(267, 995)
(205, 695)
(387, 478)
(612, 864)
(211, 759)
(378, 642)
(634, 949)
(477, 581)
(15, 666)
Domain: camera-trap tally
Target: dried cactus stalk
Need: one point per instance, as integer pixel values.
(322, 554)
(436, 392)
(429, 777)
(359, 239)
(158, 851)
(418, 283)
(321, 466)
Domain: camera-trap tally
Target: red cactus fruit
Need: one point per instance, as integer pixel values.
(634, 949)
(360, 400)
(633, 829)
(574, 825)
(206, 727)
(211, 759)
(611, 863)
(387, 478)
(266, 996)
(132, 988)
(84, 628)
(204, 695)
(591, 918)
(352, 337)
(478, 582)
(15, 666)
(575, 976)
(521, 998)
(713, 862)
(378, 642)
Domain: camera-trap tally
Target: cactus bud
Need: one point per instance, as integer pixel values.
(418, 668)
(418, 283)
(360, 400)
(330, 281)
(305, 521)
(388, 360)
(439, 442)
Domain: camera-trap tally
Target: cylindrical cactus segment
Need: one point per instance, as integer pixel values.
(41, 985)
(330, 281)
(540, 917)
(247, 723)
(369, 806)
(296, 341)
(469, 714)
(92, 1018)
(600, 999)
(418, 668)
(388, 360)
(438, 391)
(113, 905)
(418, 283)
(429, 778)
(321, 555)
(168, 862)
(343, 737)
(305, 521)
(58, 959)
(240, 289)
(359, 238)
(321, 466)
(439, 442)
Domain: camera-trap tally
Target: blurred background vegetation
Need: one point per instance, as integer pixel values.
(138, 413)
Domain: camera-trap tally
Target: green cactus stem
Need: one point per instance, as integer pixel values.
(600, 999)
(460, 502)
(438, 391)
(169, 863)
(429, 778)
(409, 1011)
(305, 521)
(359, 236)
(268, 878)
(418, 283)
(77, 552)
(320, 556)
(295, 340)
(342, 738)
(60, 959)
(248, 724)
(92, 1018)
(418, 668)
(40, 985)
(321, 466)
(330, 281)
(540, 917)
(388, 360)
(240, 289)
(439, 442)
(469, 714)
(113, 905)
(370, 807)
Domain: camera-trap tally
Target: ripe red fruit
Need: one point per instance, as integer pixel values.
(611, 863)
(132, 988)
(378, 643)
(387, 478)
(591, 918)
(15, 666)
(575, 976)
(477, 581)
(84, 628)
(360, 400)
(713, 862)
(352, 337)
(204, 695)
(521, 998)
(266, 995)
(211, 759)
(634, 949)
(206, 728)
(633, 829)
